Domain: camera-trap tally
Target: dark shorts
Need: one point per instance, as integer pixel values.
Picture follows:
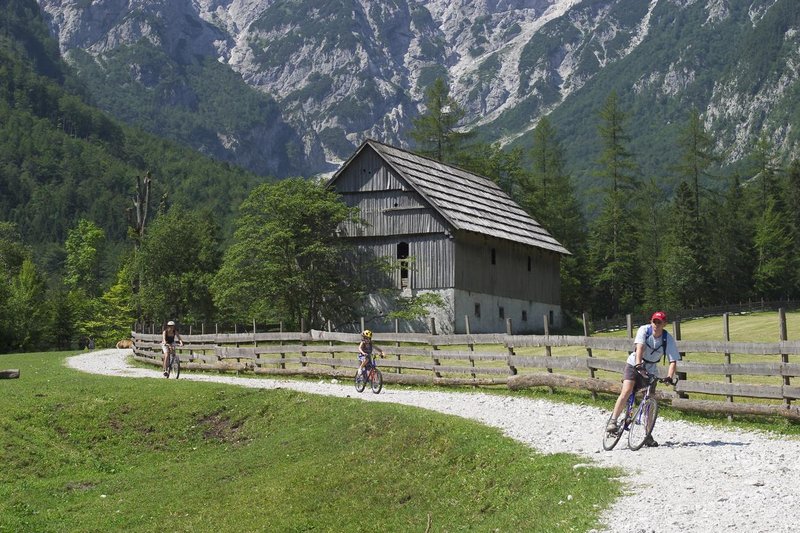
(630, 373)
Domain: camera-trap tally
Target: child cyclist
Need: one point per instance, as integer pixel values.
(365, 349)
(168, 337)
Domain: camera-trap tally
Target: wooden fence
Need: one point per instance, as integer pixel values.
(516, 361)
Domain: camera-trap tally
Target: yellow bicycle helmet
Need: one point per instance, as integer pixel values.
(367, 334)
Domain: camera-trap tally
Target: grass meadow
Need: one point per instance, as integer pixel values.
(91, 453)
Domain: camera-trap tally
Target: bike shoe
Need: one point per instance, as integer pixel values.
(166, 374)
(650, 442)
(612, 426)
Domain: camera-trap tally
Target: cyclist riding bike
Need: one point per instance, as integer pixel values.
(365, 349)
(168, 337)
(651, 343)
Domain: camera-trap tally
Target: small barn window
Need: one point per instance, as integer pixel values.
(524, 316)
(402, 257)
(529, 263)
(502, 312)
(494, 256)
(551, 316)
(478, 310)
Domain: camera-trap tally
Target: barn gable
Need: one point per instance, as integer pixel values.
(467, 202)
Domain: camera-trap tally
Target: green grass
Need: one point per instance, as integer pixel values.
(92, 453)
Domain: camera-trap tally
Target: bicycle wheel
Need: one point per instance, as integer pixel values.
(376, 381)
(175, 365)
(360, 381)
(611, 438)
(642, 423)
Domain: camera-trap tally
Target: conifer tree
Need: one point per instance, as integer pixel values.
(729, 252)
(549, 196)
(435, 131)
(774, 275)
(697, 156)
(613, 240)
(681, 270)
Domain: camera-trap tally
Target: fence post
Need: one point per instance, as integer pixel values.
(397, 342)
(283, 354)
(726, 335)
(470, 345)
(302, 341)
(784, 357)
(330, 343)
(434, 348)
(629, 321)
(257, 355)
(510, 347)
(676, 330)
(588, 350)
(548, 351)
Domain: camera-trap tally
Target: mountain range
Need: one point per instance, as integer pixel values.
(290, 87)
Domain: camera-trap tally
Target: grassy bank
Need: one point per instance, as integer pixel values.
(92, 453)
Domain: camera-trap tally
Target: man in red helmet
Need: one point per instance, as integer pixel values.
(651, 343)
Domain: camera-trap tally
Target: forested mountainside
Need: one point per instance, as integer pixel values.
(292, 87)
(62, 160)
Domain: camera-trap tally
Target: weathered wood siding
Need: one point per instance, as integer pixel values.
(509, 276)
(387, 204)
(433, 264)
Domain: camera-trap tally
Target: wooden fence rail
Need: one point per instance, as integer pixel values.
(510, 360)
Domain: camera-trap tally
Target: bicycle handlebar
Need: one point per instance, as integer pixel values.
(654, 377)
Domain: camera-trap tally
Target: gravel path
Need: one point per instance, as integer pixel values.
(700, 479)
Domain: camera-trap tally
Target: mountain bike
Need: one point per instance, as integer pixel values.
(370, 374)
(639, 423)
(173, 361)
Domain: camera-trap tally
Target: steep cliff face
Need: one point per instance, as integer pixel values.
(342, 70)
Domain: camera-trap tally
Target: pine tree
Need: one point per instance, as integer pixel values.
(773, 276)
(697, 156)
(729, 251)
(549, 196)
(682, 269)
(435, 130)
(613, 242)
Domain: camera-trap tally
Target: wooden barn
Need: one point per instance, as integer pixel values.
(487, 258)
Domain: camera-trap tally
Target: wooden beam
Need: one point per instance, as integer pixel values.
(9, 374)
(727, 408)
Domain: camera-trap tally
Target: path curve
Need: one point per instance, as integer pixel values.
(700, 479)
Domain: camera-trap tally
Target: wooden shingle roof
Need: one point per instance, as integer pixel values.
(467, 201)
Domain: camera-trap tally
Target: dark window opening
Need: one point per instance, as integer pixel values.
(494, 256)
(551, 316)
(478, 310)
(502, 312)
(524, 316)
(402, 257)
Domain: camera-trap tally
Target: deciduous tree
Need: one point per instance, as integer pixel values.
(286, 262)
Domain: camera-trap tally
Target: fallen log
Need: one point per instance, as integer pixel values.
(730, 408)
(9, 374)
(525, 381)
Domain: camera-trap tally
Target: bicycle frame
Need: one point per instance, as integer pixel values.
(648, 389)
(638, 420)
(370, 375)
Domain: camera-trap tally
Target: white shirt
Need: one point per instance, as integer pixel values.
(653, 350)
